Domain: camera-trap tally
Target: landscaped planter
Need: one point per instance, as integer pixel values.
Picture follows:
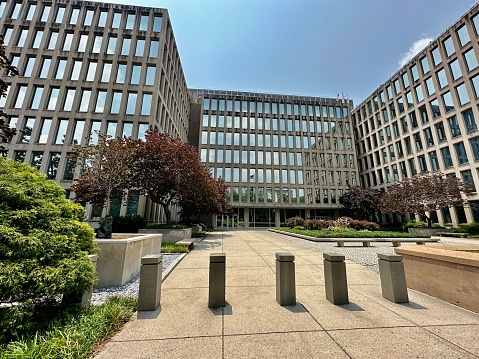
(169, 235)
(429, 231)
(196, 229)
(120, 259)
(444, 272)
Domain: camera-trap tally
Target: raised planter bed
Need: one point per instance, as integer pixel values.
(444, 272)
(169, 235)
(196, 229)
(429, 231)
(119, 260)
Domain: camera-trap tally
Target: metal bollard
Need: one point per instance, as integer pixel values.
(393, 279)
(149, 294)
(335, 280)
(285, 279)
(217, 280)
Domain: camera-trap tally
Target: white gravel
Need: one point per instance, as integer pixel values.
(130, 289)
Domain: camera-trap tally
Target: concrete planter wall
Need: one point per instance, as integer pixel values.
(429, 231)
(169, 235)
(443, 272)
(196, 229)
(120, 259)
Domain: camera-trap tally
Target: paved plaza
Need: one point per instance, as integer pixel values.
(254, 325)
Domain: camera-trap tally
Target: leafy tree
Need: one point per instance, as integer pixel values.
(106, 171)
(424, 193)
(361, 202)
(44, 247)
(6, 133)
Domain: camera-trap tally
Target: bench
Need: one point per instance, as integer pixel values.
(452, 234)
(397, 242)
(186, 243)
(365, 241)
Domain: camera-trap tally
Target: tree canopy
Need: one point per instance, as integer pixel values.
(424, 193)
(361, 202)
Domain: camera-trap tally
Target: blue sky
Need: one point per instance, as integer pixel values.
(302, 47)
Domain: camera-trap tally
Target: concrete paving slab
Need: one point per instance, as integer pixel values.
(250, 276)
(282, 345)
(173, 348)
(194, 262)
(187, 278)
(250, 261)
(464, 336)
(255, 310)
(395, 343)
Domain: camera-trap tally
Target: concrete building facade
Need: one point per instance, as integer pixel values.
(88, 67)
(280, 155)
(425, 118)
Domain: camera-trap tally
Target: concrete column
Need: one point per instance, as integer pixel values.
(335, 281)
(285, 279)
(217, 280)
(246, 218)
(307, 213)
(393, 279)
(469, 215)
(277, 217)
(455, 221)
(149, 294)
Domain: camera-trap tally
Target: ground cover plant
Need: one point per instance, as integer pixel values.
(170, 247)
(74, 334)
(352, 233)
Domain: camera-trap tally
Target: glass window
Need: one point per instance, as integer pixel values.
(37, 158)
(16, 10)
(111, 129)
(455, 69)
(461, 153)
(475, 147)
(45, 13)
(454, 125)
(116, 20)
(45, 67)
(469, 120)
(448, 46)
(90, 76)
(131, 103)
(115, 102)
(70, 96)
(144, 22)
(425, 65)
(69, 168)
(97, 44)
(78, 132)
(61, 69)
(105, 75)
(154, 46)
(146, 104)
(157, 23)
(20, 96)
(127, 129)
(100, 101)
(121, 74)
(436, 56)
(19, 156)
(429, 138)
(448, 103)
(142, 128)
(471, 60)
(53, 40)
(435, 109)
(130, 21)
(74, 16)
(419, 93)
(53, 165)
(38, 39)
(441, 133)
(111, 45)
(462, 94)
(82, 43)
(414, 72)
(85, 101)
(26, 132)
(140, 47)
(410, 101)
(102, 18)
(150, 77)
(37, 96)
(135, 74)
(94, 130)
(76, 70)
(60, 14)
(88, 18)
(7, 36)
(475, 85)
(29, 67)
(61, 132)
(125, 48)
(441, 77)
(22, 38)
(430, 86)
(45, 130)
(67, 43)
(463, 35)
(52, 101)
(405, 80)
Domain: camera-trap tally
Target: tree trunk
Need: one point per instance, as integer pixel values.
(167, 213)
(429, 220)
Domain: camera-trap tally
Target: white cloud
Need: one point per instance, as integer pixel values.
(415, 48)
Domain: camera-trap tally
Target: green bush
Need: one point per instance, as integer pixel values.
(128, 224)
(44, 248)
(353, 234)
(165, 226)
(300, 228)
(472, 228)
(413, 224)
(295, 221)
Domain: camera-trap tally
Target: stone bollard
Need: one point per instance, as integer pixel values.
(86, 297)
(335, 281)
(285, 279)
(149, 294)
(217, 280)
(393, 279)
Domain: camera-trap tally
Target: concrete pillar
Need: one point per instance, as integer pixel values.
(86, 297)
(335, 281)
(469, 215)
(307, 213)
(285, 279)
(149, 294)
(277, 217)
(455, 221)
(393, 279)
(246, 217)
(217, 280)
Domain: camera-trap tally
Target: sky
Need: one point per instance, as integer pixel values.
(302, 47)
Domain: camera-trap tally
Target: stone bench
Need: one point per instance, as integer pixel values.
(397, 242)
(365, 241)
(452, 234)
(186, 243)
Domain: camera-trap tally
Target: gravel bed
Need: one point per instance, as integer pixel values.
(367, 256)
(130, 289)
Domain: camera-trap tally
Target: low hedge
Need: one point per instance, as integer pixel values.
(472, 228)
(166, 226)
(352, 234)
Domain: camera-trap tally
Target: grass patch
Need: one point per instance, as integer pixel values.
(352, 234)
(77, 335)
(170, 247)
(165, 226)
(468, 250)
